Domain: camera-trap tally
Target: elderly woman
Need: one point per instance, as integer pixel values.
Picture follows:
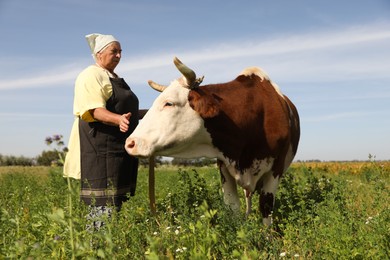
(106, 113)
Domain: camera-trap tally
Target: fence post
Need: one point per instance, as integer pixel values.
(152, 195)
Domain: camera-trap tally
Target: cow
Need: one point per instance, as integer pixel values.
(247, 124)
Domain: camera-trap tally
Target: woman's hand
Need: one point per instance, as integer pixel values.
(124, 122)
(103, 115)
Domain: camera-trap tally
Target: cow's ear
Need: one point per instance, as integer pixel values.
(203, 103)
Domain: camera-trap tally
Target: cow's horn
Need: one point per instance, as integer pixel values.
(155, 86)
(188, 73)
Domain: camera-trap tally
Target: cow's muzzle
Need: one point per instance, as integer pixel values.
(136, 148)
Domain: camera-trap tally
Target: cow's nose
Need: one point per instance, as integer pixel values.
(130, 144)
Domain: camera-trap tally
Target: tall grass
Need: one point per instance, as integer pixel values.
(322, 212)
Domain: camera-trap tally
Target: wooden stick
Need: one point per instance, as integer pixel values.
(152, 195)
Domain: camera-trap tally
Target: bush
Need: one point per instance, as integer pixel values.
(48, 158)
(13, 160)
(198, 162)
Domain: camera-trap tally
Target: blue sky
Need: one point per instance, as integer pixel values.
(332, 58)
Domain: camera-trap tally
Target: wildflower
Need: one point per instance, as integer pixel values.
(48, 140)
(296, 255)
(369, 220)
(155, 233)
(283, 254)
(57, 137)
(168, 228)
(177, 232)
(180, 250)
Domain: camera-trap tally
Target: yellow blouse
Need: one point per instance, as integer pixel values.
(92, 89)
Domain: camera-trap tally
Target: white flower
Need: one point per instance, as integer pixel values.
(296, 255)
(177, 232)
(283, 254)
(155, 233)
(180, 250)
(369, 220)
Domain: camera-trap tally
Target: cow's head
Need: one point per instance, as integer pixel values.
(174, 124)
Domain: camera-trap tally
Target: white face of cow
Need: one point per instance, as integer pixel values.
(170, 127)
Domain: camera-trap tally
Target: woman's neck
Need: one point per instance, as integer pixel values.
(111, 72)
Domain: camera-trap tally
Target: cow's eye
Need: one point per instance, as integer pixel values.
(168, 104)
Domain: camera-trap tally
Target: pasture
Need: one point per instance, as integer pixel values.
(323, 211)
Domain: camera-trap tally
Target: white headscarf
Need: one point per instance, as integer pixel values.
(98, 42)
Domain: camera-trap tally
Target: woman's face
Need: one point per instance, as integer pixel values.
(109, 57)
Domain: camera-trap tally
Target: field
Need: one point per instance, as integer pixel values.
(323, 211)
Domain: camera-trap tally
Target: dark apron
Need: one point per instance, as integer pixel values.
(108, 172)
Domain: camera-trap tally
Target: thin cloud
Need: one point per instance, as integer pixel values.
(17, 116)
(297, 44)
(43, 80)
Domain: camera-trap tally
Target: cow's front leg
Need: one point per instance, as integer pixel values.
(229, 188)
(248, 200)
(267, 193)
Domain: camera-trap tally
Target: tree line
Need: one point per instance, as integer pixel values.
(51, 158)
(57, 151)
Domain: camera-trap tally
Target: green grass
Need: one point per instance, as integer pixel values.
(319, 214)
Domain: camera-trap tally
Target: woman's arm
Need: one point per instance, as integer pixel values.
(103, 115)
